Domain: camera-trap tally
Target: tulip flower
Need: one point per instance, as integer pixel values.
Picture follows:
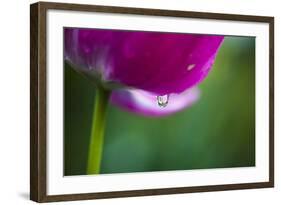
(148, 73)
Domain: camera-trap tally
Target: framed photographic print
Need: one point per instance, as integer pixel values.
(134, 102)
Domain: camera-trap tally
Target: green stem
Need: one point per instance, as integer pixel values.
(97, 133)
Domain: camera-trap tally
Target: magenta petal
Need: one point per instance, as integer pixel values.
(156, 62)
(145, 103)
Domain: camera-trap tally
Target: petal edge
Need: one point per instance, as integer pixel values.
(145, 103)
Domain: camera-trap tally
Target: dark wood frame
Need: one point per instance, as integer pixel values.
(38, 101)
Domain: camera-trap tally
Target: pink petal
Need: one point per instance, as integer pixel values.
(145, 103)
(156, 62)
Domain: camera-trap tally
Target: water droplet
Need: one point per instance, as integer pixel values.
(190, 67)
(163, 100)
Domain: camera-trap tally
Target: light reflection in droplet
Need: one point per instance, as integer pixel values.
(163, 100)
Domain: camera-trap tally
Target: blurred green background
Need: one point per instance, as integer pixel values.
(218, 131)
